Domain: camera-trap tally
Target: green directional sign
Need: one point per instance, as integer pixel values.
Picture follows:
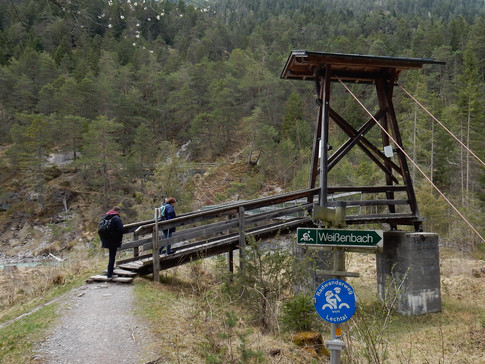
(317, 236)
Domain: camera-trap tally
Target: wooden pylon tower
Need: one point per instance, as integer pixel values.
(397, 195)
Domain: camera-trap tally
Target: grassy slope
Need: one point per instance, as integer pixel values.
(192, 320)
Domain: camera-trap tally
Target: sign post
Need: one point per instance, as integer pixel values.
(334, 301)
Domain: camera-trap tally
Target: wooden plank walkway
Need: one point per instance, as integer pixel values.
(222, 229)
(184, 254)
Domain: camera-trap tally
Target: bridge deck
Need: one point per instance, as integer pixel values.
(186, 252)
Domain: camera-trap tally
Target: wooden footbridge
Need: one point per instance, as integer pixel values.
(213, 231)
(221, 230)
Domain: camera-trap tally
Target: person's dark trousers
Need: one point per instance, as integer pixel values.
(168, 234)
(111, 262)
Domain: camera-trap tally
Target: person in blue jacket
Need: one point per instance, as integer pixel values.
(113, 239)
(169, 213)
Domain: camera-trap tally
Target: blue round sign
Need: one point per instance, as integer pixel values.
(334, 301)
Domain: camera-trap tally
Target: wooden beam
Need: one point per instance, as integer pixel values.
(367, 147)
(242, 237)
(324, 96)
(316, 144)
(155, 252)
(385, 97)
(367, 189)
(354, 138)
(384, 202)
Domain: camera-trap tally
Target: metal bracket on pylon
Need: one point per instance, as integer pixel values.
(329, 217)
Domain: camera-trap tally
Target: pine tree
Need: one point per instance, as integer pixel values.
(30, 150)
(471, 121)
(144, 153)
(101, 156)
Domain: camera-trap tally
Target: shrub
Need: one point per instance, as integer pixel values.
(298, 313)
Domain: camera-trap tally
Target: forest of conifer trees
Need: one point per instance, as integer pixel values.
(121, 85)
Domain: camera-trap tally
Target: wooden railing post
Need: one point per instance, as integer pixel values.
(230, 261)
(156, 253)
(136, 249)
(230, 253)
(242, 237)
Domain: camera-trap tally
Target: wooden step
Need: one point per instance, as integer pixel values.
(103, 278)
(131, 265)
(122, 272)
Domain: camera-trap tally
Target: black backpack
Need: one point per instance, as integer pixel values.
(106, 226)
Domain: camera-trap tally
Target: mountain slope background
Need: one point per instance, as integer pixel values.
(125, 102)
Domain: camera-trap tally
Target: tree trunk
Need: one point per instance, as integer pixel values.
(431, 167)
(467, 179)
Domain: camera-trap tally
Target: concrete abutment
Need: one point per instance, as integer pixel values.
(408, 272)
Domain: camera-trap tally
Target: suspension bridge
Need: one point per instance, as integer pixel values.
(224, 229)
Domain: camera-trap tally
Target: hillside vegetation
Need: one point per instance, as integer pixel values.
(138, 96)
(124, 102)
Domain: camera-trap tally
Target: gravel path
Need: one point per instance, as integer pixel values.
(97, 325)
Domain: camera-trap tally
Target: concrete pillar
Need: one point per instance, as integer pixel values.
(408, 272)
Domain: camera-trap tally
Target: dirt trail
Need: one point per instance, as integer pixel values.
(97, 324)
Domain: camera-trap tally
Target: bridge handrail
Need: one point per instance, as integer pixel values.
(220, 229)
(146, 227)
(217, 227)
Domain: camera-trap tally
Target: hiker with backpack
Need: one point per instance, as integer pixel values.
(167, 212)
(110, 231)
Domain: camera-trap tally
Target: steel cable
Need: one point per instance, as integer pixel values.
(410, 159)
(442, 125)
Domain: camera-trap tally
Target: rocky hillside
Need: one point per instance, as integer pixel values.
(31, 229)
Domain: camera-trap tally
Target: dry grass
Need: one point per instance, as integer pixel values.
(193, 320)
(455, 335)
(24, 287)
